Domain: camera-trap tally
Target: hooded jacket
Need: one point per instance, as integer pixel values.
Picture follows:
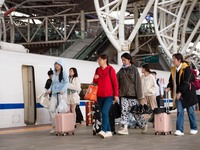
(184, 79)
(56, 85)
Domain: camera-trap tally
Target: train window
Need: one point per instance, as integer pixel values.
(28, 80)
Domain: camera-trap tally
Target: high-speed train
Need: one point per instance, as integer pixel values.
(22, 80)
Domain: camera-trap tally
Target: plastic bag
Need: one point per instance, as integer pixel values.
(63, 107)
(43, 99)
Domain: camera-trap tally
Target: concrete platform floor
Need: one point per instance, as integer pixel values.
(40, 139)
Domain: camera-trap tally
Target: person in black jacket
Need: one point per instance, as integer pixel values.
(49, 81)
(183, 93)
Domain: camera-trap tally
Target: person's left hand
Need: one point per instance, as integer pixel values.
(178, 96)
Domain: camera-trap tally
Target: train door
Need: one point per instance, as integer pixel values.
(29, 95)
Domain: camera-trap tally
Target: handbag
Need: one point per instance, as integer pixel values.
(115, 110)
(91, 93)
(43, 99)
(141, 109)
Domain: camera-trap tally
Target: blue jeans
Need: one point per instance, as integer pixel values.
(180, 117)
(105, 104)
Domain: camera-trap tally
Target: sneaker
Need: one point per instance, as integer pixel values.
(53, 131)
(178, 133)
(102, 134)
(121, 128)
(144, 129)
(108, 134)
(123, 132)
(193, 132)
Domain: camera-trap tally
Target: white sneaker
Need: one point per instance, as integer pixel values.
(53, 131)
(193, 132)
(123, 132)
(178, 133)
(102, 134)
(108, 134)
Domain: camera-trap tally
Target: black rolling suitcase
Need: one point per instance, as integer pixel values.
(97, 119)
(79, 116)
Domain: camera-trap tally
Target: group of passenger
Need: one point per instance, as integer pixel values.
(61, 86)
(132, 89)
(135, 89)
(127, 85)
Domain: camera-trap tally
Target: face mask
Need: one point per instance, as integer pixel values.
(125, 66)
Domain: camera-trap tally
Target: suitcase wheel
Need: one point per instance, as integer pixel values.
(67, 133)
(165, 133)
(86, 124)
(63, 134)
(73, 133)
(57, 134)
(156, 133)
(114, 133)
(94, 133)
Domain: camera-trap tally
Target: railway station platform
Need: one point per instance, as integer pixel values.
(38, 138)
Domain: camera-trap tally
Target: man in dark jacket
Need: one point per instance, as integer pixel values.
(49, 81)
(183, 93)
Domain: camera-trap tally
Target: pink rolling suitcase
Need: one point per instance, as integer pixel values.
(163, 122)
(64, 123)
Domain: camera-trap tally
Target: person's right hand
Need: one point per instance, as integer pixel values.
(48, 92)
(96, 76)
(143, 101)
(167, 89)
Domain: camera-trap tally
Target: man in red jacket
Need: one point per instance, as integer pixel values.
(106, 79)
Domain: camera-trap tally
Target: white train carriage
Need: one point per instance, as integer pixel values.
(22, 79)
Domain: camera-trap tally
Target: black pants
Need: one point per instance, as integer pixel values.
(199, 100)
(158, 99)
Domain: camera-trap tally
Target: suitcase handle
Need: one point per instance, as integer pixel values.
(167, 102)
(57, 99)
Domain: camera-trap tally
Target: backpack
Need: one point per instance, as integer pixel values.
(196, 82)
(157, 82)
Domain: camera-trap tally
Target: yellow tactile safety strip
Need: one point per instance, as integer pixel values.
(41, 128)
(29, 129)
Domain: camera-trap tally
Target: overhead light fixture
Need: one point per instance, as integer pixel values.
(116, 14)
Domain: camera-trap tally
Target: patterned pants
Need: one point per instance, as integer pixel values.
(126, 105)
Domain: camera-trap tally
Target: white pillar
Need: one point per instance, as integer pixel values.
(82, 24)
(120, 53)
(124, 49)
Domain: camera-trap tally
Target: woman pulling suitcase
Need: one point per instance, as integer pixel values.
(106, 79)
(59, 85)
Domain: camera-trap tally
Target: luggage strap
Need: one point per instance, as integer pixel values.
(57, 100)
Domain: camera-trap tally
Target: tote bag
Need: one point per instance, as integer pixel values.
(43, 99)
(91, 93)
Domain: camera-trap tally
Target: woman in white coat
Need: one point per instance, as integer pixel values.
(149, 88)
(73, 91)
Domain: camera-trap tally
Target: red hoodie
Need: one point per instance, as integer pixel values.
(107, 82)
